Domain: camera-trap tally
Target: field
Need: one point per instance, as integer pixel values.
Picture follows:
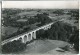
(8, 30)
(46, 47)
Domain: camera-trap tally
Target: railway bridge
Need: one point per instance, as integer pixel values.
(28, 36)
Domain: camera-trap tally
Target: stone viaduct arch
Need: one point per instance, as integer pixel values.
(28, 36)
(25, 38)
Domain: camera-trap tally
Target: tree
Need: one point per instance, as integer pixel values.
(43, 18)
(59, 12)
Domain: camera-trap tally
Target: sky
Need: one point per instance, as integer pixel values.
(41, 4)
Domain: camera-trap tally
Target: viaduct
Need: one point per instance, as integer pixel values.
(28, 36)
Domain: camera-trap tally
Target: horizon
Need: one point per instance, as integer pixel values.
(39, 8)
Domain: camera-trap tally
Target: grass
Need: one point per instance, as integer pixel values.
(8, 30)
(44, 46)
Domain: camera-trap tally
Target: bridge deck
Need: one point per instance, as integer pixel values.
(8, 40)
